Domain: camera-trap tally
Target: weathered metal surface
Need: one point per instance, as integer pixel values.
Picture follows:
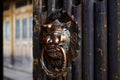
(37, 70)
(51, 6)
(88, 65)
(67, 6)
(59, 4)
(113, 32)
(87, 40)
(77, 63)
(100, 39)
(118, 40)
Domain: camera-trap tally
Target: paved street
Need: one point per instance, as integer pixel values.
(13, 74)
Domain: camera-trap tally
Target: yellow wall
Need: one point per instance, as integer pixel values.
(17, 47)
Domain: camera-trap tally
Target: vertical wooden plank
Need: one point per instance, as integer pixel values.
(77, 64)
(69, 75)
(118, 40)
(87, 40)
(44, 5)
(51, 6)
(59, 4)
(67, 6)
(37, 69)
(112, 40)
(100, 39)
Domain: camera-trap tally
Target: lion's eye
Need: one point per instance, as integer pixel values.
(47, 39)
(63, 38)
(64, 29)
(49, 26)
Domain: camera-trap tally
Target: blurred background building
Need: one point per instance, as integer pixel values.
(17, 37)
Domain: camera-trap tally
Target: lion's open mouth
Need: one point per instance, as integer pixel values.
(54, 57)
(53, 52)
(53, 61)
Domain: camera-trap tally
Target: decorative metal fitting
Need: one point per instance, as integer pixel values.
(57, 38)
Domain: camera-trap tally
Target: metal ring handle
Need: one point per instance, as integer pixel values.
(50, 73)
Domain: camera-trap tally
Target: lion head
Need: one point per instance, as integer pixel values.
(57, 46)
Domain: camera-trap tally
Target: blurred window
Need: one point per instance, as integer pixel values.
(17, 29)
(7, 24)
(31, 26)
(24, 28)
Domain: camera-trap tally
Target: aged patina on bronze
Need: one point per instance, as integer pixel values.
(59, 43)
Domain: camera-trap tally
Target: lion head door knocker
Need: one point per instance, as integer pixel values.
(58, 39)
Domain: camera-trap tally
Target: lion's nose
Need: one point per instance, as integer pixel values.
(52, 40)
(55, 40)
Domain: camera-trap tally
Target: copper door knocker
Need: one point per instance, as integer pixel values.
(57, 43)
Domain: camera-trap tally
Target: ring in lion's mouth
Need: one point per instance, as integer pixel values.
(54, 57)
